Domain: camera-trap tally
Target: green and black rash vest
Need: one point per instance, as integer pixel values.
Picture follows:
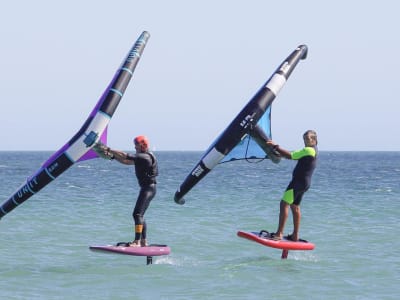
(307, 161)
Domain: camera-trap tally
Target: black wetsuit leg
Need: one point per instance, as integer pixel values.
(146, 194)
(299, 187)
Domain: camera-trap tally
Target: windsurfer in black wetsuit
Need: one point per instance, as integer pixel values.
(300, 183)
(146, 170)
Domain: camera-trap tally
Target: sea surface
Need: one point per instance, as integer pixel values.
(351, 213)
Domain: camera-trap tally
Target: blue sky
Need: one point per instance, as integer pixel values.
(203, 63)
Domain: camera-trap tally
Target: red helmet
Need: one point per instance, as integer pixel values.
(142, 141)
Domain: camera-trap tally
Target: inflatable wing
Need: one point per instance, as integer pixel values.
(252, 146)
(245, 123)
(80, 147)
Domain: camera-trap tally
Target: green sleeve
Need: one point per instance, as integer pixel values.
(306, 151)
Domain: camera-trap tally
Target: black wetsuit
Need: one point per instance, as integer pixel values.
(146, 169)
(302, 173)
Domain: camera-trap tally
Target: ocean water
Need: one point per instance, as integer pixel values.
(351, 213)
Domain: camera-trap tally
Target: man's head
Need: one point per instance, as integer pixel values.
(141, 143)
(310, 138)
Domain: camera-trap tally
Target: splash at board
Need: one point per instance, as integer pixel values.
(264, 238)
(81, 146)
(249, 130)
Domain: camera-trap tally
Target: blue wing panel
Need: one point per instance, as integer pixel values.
(248, 148)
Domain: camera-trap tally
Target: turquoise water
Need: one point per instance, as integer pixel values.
(351, 213)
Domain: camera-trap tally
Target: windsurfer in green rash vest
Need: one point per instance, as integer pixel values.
(300, 183)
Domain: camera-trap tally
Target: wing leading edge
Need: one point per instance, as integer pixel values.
(79, 147)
